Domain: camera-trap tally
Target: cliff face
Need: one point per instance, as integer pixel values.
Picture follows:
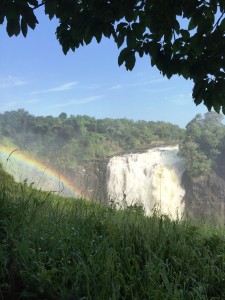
(90, 180)
(205, 197)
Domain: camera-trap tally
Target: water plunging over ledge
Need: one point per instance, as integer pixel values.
(151, 179)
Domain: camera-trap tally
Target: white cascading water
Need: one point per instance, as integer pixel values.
(151, 179)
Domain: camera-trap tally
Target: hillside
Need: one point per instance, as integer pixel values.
(70, 140)
(59, 249)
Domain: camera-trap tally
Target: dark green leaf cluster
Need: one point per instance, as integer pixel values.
(204, 142)
(19, 15)
(186, 38)
(181, 37)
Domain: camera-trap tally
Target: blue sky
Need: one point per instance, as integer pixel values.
(37, 76)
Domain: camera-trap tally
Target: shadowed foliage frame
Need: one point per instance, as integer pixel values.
(181, 37)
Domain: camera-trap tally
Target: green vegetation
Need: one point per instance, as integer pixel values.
(71, 140)
(204, 142)
(184, 38)
(56, 248)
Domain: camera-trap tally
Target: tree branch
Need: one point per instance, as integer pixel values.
(217, 23)
(39, 5)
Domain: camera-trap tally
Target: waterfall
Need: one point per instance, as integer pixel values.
(151, 179)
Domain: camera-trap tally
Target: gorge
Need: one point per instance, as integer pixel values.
(155, 179)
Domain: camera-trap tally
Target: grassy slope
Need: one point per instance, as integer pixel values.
(54, 248)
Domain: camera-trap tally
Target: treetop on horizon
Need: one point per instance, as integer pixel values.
(181, 37)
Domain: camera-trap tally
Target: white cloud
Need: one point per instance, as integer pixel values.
(77, 101)
(157, 80)
(11, 81)
(116, 87)
(152, 81)
(93, 87)
(64, 87)
(154, 91)
(138, 83)
(146, 82)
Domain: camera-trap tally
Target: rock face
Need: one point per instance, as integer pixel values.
(205, 197)
(90, 180)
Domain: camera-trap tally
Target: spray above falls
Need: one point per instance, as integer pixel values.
(151, 179)
(25, 168)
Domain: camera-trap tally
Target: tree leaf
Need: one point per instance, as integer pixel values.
(222, 24)
(30, 17)
(185, 34)
(138, 29)
(121, 26)
(120, 40)
(197, 93)
(130, 60)
(2, 18)
(122, 56)
(88, 36)
(131, 40)
(13, 27)
(33, 2)
(24, 27)
(65, 47)
(50, 8)
(192, 24)
(98, 36)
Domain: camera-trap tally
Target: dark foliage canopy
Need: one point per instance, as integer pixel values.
(78, 138)
(203, 144)
(181, 37)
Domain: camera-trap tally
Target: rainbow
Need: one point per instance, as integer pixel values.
(40, 175)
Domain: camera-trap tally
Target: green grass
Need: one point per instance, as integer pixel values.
(56, 248)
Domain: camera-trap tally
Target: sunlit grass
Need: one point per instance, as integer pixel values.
(56, 248)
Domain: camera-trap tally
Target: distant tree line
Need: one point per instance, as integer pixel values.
(73, 139)
(68, 141)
